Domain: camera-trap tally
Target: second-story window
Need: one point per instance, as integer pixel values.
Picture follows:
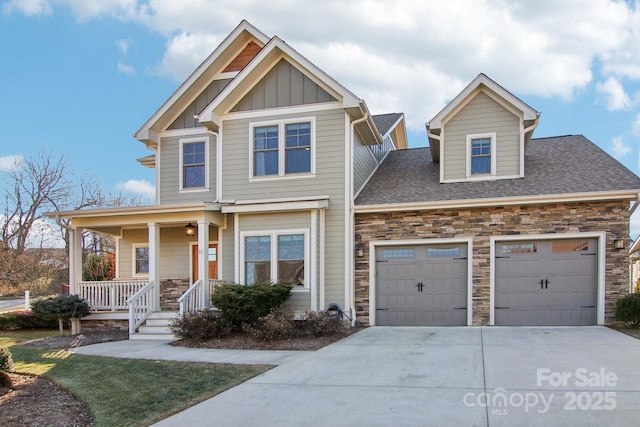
(193, 173)
(282, 148)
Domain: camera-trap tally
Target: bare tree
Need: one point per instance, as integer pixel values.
(40, 184)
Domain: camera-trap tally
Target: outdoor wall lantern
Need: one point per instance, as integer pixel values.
(618, 243)
(359, 249)
(190, 230)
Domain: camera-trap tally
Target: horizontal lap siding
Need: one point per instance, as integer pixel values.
(364, 163)
(329, 180)
(170, 172)
(482, 115)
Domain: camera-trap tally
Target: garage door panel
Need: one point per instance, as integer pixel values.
(546, 283)
(441, 299)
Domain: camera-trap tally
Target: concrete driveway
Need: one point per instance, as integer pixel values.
(468, 376)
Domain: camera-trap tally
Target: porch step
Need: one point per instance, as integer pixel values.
(156, 327)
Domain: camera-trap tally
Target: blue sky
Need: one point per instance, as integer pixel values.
(80, 77)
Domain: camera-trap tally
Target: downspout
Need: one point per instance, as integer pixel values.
(351, 291)
(71, 241)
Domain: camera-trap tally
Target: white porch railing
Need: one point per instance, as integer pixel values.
(194, 298)
(141, 305)
(109, 295)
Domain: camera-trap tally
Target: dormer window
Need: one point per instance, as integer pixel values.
(481, 155)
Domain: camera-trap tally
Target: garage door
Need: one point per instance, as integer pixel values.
(421, 285)
(549, 282)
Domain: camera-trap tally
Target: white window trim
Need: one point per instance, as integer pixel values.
(282, 149)
(135, 246)
(181, 187)
(471, 137)
(274, 253)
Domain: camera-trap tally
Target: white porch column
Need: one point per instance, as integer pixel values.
(75, 259)
(154, 260)
(203, 259)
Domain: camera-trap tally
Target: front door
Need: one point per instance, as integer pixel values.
(212, 255)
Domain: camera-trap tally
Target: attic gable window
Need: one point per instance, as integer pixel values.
(481, 155)
(282, 149)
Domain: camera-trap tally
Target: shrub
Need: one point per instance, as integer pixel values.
(199, 325)
(242, 305)
(99, 267)
(281, 324)
(6, 361)
(628, 310)
(24, 319)
(62, 308)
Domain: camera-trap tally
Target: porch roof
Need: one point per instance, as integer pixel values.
(112, 220)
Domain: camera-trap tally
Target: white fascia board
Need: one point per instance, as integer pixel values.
(276, 207)
(142, 133)
(528, 112)
(137, 210)
(500, 201)
(349, 100)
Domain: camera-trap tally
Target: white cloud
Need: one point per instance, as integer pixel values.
(635, 125)
(619, 148)
(411, 55)
(11, 163)
(28, 7)
(141, 187)
(126, 69)
(124, 45)
(614, 94)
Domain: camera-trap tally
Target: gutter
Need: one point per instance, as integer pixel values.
(350, 289)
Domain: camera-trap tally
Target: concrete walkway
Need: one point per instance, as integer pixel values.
(161, 350)
(468, 376)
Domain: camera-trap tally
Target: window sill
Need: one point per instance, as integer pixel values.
(281, 177)
(300, 291)
(194, 190)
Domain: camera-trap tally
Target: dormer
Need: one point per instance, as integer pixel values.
(482, 134)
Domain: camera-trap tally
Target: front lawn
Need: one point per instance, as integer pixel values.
(126, 392)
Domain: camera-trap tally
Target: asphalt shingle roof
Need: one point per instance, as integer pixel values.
(384, 121)
(558, 165)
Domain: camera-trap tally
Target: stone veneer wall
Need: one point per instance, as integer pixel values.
(104, 325)
(481, 224)
(170, 291)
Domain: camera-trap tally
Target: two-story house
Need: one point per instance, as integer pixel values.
(488, 226)
(258, 157)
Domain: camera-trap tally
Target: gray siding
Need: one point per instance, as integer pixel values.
(329, 180)
(186, 119)
(282, 221)
(364, 163)
(227, 252)
(169, 161)
(283, 86)
(481, 115)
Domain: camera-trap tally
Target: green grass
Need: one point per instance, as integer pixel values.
(127, 392)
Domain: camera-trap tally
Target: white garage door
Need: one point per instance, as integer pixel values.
(547, 282)
(423, 285)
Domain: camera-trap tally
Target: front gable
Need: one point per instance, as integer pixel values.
(283, 86)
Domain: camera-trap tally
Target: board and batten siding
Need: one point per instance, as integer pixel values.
(283, 86)
(170, 172)
(482, 115)
(186, 119)
(329, 180)
(364, 163)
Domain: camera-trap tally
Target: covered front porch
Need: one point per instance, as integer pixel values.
(166, 262)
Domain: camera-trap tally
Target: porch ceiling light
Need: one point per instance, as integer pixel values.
(190, 230)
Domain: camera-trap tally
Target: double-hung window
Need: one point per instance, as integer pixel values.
(193, 164)
(481, 154)
(277, 257)
(282, 148)
(140, 260)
